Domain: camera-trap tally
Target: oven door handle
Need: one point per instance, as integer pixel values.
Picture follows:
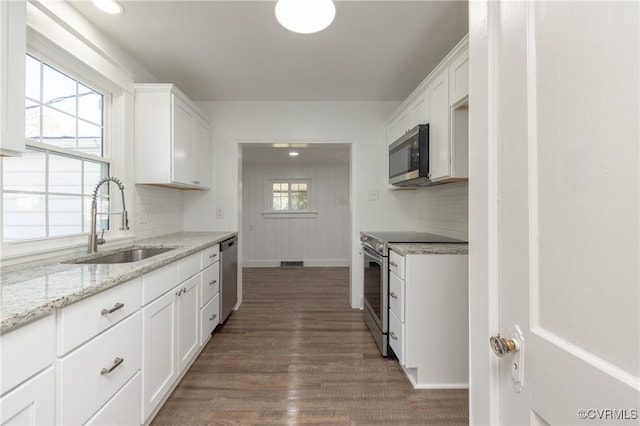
(375, 255)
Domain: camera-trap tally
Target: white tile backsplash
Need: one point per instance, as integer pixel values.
(164, 208)
(444, 210)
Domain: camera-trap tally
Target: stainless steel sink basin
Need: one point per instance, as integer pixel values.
(129, 255)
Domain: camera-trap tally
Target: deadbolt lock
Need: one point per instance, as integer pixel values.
(502, 346)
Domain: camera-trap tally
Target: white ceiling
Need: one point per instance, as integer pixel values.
(236, 50)
(315, 153)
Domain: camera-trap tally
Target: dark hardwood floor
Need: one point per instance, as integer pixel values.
(296, 353)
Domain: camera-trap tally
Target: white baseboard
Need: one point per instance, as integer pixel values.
(416, 385)
(249, 263)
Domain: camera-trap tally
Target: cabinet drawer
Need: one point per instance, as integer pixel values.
(158, 282)
(84, 382)
(210, 255)
(209, 318)
(25, 351)
(189, 266)
(396, 295)
(81, 321)
(396, 336)
(123, 408)
(396, 263)
(210, 283)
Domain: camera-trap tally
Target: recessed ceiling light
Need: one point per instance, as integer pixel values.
(305, 16)
(109, 6)
(293, 154)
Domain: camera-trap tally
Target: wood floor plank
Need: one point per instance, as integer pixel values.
(295, 353)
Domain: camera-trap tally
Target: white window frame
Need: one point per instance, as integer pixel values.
(269, 213)
(114, 133)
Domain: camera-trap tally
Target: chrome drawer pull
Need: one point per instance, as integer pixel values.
(392, 294)
(212, 317)
(213, 282)
(117, 306)
(393, 335)
(116, 363)
(212, 256)
(392, 263)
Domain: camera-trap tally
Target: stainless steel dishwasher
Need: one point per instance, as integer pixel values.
(229, 277)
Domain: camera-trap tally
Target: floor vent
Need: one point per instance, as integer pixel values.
(292, 264)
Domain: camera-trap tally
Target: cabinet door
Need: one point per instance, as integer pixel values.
(182, 170)
(391, 132)
(159, 366)
(419, 109)
(202, 159)
(439, 151)
(188, 319)
(32, 403)
(459, 78)
(405, 122)
(13, 33)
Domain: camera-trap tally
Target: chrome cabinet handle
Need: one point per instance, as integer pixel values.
(392, 263)
(212, 317)
(179, 292)
(116, 363)
(393, 335)
(213, 282)
(197, 182)
(392, 294)
(117, 306)
(212, 256)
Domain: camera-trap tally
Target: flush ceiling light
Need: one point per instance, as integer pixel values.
(109, 6)
(305, 16)
(293, 154)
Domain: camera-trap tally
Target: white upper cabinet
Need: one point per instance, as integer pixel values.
(13, 36)
(172, 139)
(441, 100)
(459, 78)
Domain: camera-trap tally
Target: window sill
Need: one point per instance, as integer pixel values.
(290, 215)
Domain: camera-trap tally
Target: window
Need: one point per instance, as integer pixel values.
(47, 192)
(290, 196)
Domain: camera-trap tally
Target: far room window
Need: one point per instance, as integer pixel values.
(288, 196)
(47, 192)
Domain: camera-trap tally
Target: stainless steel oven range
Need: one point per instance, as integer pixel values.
(375, 249)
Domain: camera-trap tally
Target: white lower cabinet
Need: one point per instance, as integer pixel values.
(429, 308)
(171, 340)
(31, 403)
(124, 408)
(88, 377)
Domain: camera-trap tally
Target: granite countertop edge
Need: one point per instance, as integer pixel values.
(17, 309)
(429, 248)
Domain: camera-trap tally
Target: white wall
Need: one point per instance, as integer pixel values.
(322, 240)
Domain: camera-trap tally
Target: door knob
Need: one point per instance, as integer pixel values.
(502, 346)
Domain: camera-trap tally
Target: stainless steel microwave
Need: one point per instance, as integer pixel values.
(409, 158)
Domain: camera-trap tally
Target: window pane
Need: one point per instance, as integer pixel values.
(298, 200)
(59, 129)
(93, 172)
(89, 104)
(32, 120)
(33, 78)
(26, 173)
(65, 215)
(89, 138)
(59, 91)
(65, 174)
(23, 217)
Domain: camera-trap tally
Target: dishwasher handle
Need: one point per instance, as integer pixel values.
(225, 245)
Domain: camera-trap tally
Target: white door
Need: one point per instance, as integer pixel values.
(188, 319)
(554, 211)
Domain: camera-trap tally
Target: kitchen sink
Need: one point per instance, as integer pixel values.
(129, 255)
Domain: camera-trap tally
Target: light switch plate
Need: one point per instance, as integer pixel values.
(219, 213)
(142, 215)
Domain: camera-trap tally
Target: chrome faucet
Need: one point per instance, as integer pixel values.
(94, 241)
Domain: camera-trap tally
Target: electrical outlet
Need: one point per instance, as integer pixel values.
(219, 213)
(373, 195)
(142, 215)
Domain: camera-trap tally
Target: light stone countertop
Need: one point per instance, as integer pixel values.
(429, 248)
(32, 290)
